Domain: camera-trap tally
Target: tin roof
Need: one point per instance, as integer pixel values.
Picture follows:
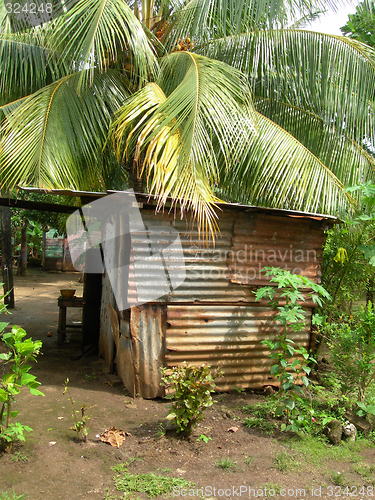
(151, 200)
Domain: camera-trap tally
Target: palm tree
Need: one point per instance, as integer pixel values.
(202, 99)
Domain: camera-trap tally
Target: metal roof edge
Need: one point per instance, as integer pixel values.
(151, 200)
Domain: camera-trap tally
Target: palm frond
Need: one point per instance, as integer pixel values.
(25, 66)
(279, 171)
(200, 112)
(204, 20)
(96, 33)
(55, 137)
(332, 77)
(346, 158)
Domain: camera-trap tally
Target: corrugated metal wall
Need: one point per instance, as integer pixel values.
(212, 317)
(226, 336)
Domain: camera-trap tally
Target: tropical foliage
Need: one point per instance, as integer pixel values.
(361, 25)
(201, 98)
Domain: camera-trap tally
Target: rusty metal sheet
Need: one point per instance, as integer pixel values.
(228, 336)
(261, 240)
(147, 330)
(206, 268)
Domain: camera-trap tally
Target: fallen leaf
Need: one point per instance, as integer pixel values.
(51, 443)
(180, 471)
(113, 436)
(233, 429)
(60, 418)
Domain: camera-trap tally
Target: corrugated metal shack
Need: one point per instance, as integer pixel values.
(212, 317)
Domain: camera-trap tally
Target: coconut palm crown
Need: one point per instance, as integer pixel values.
(201, 99)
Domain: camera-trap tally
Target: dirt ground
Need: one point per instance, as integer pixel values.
(52, 464)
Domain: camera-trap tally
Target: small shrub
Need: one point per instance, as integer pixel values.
(291, 361)
(21, 352)
(192, 387)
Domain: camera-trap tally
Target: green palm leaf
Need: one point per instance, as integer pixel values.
(25, 66)
(332, 77)
(55, 137)
(200, 111)
(347, 159)
(279, 171)
(96, 33)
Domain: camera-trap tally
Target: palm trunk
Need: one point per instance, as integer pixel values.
(6, 251)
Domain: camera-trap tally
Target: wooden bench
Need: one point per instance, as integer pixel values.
(63, 305)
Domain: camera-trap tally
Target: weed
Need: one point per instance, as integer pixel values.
(226, 464)
(10, 496)
(134, 459)
(160, 430)
(18, 457)
(237, 389)
(285, 461)
(80, 426)
(204, 438)
(262, 424)
(93, 376)
(249, 460)
(339, 479)
(151, 484)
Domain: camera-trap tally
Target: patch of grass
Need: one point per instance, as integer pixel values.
(271, 486)
(10, 496)
(286, 461)
(316, 450)
(260, 423)
(93, 376)
(226, 464)
(19, 457)
(366, 471)
(151, 484)
(262, 410)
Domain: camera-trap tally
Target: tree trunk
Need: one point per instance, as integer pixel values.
(22, 263)
(6, 252)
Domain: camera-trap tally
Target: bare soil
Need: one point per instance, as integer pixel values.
(53, 464)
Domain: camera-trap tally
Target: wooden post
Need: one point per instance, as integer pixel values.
(6, 253)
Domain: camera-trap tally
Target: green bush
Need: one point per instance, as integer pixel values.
(21, 352)
(352, 347)
(191, 388)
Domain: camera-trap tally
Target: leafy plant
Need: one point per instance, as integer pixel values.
(352, 347)
(21, 352)
(82, 425)
(191, 394)
(204, 438)
(10, 496)
(291, 366)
